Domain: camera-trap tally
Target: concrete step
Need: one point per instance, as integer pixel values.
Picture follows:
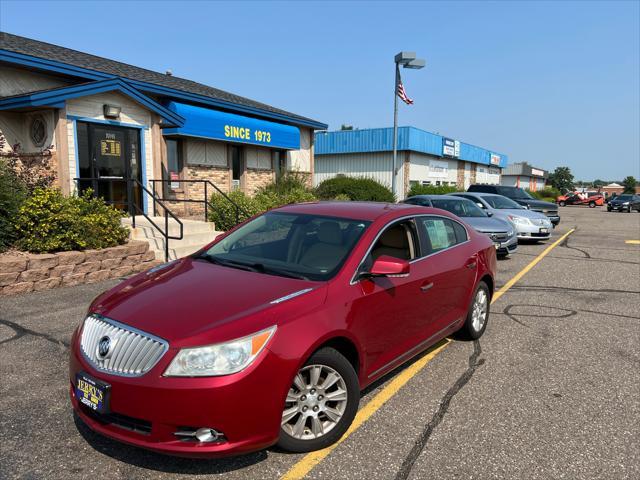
(188, 226)
(196, 234)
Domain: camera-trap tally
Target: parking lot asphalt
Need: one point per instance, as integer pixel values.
(552, 390)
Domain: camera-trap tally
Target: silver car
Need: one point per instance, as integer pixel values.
(502, 232)
(529, 225)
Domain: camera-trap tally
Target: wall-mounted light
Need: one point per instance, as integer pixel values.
(111, 111)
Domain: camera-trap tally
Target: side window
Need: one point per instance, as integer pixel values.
(398, 240)
(440, 233)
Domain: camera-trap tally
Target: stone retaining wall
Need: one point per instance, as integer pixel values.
(22, 273)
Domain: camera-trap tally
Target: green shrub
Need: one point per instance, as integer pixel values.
(223, 213)
(355, 188)
(288, 182)
(12, 195)
(342, 197)
(49, 222)
(417, 189)
(548, 194)
(268, 200)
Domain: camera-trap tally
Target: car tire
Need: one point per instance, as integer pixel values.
(337, 414)
(608, 209)
(592, 204)
(562, 204)
(472, 328)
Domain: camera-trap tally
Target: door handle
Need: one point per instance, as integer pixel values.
(426, 287)
(471, 265)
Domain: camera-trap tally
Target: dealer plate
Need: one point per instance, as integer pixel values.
(544, 230)
(92, 393)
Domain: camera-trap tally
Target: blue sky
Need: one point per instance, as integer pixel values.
(551, 83)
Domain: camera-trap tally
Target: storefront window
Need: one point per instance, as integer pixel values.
(236, 167)
(279, 162)
(174, 163)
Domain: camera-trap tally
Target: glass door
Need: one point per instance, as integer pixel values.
(108, 156)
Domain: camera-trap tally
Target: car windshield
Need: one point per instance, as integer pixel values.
(501, 203)
(624, 198)
(459, 206)
(309, 247)
(514, 193)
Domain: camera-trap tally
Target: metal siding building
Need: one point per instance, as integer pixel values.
(524, 176)
(369, 153)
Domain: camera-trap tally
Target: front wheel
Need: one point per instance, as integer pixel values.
(478, 314)
(592, 204)
(321, 403)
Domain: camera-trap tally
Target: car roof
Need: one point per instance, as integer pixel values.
(355, 210)
(440, 197)
(478, 194)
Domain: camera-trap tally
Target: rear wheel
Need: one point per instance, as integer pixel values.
(321, 403)
(592, 204)
(562, 203)
(478, 314)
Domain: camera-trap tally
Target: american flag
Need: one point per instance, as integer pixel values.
(401, 92)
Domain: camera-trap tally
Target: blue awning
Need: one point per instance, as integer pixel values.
(206, 123)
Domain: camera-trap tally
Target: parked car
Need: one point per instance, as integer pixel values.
(592, 199)
(521, 197)
(624, 202)
(529, 225)
(268, 334)
(501, 232)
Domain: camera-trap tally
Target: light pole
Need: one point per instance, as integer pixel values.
(407, 60)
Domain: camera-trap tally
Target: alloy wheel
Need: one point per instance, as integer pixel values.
(479, 310)
(315, 403)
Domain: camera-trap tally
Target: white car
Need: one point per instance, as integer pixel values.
(529, 225)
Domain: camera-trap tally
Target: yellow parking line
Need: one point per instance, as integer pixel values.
(533, 263)
(306, 464)
(633, 242)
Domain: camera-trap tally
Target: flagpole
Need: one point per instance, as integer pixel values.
(395, 133)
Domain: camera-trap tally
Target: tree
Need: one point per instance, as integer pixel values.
(629, 184)
(562, 179)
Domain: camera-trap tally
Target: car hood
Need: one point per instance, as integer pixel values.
(518, 212)
(196, 302)
(537, 204)
(618, 202)
(488, 224)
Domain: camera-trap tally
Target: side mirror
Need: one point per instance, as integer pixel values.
(387, 266)
(489, 214)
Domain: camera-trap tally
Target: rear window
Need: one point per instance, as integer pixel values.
(482, 188)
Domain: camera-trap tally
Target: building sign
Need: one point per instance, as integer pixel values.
(495, 159)
(175, 180)
(110, 148)
(438, 169)
(450, 148)
(207, 123)
(537, 173)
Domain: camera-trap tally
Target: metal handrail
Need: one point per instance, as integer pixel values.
(132, 207)
(207, 204)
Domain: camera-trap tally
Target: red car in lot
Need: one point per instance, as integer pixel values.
(268, 334)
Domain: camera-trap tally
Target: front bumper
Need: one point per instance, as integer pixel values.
(533, 232)
(507, 247)
(147, 411)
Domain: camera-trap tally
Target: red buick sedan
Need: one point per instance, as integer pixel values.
(268, 334)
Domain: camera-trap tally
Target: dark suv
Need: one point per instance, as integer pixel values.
(518, 195)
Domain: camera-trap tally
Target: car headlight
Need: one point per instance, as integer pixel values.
(220, 359)
(626, 203)
(519, 220)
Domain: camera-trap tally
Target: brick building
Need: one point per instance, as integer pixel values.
(102, 122)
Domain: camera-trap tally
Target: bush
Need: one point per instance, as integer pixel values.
(355, 188)
(417, 189)
(223, 213)
(548, 194)
(289, 182)
(12, 195)
(50, 222)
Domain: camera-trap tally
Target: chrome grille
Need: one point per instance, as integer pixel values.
(498, 236)
(131, 353)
